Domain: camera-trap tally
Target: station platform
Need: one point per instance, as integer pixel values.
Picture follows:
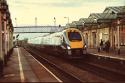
(111, 54)
(23, 67)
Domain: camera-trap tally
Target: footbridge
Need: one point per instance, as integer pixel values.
(38, 29)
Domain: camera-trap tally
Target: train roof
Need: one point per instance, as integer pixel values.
(61, 32)
(56, 34)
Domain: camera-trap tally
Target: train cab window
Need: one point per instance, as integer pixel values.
(74, 36)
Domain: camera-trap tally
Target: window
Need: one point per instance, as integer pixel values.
(74, 36)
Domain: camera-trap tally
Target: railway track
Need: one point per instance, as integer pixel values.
(79, 74)
(115, 67)
(100, 70)
(60, 72)
(84, 71)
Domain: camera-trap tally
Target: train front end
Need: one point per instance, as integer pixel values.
(76, 46)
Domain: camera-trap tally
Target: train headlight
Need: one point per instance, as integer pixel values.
(68, 47)
(85, 46)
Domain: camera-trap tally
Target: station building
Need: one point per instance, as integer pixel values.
(108, 25)
(6, 34)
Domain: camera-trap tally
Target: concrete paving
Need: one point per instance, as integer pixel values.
(111, 54)
(22, 67)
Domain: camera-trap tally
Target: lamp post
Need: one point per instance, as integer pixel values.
(54, 21)
(52, 28)
(67, 19)
(16, 21)
(36, 21)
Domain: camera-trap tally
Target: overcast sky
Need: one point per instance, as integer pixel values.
(45, 10)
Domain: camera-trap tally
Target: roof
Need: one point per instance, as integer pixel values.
(87, 20)
(115, 9)
(70, 25)
(103, 16)
(77, 23)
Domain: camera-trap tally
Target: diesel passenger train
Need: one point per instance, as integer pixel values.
(69, 43)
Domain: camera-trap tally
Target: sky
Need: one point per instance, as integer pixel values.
(25, 11)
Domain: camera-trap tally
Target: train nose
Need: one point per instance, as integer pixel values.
(74, 45)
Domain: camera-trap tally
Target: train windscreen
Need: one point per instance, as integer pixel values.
(74, 36)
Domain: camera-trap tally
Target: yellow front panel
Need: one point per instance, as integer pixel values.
(77, 44)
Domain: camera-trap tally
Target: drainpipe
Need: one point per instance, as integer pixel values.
(1, 52)
(118, 22)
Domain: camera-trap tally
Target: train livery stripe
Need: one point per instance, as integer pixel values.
(20, 67)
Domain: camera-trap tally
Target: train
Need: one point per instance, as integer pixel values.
(69, 43)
